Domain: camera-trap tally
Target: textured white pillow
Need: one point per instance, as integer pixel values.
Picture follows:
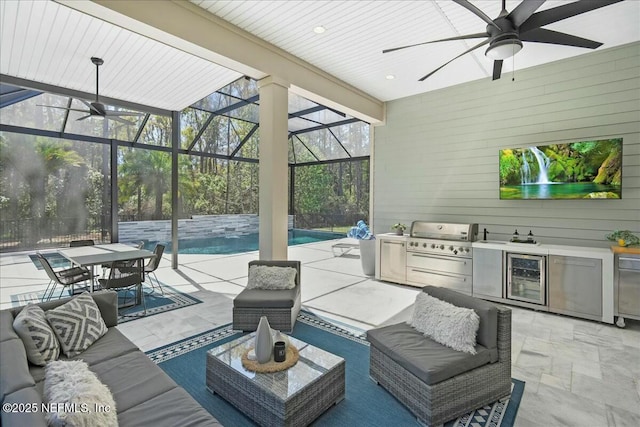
(271, 277)
(77, 324)
(450, 325)
(36, 334)
(76, 396)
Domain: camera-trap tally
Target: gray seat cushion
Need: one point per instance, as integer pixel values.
(174, 407)
(14, 367)
(6, 326)
(143, 379)
(488, 331)
(23, 418)
(110, 345)
(261, 298)
(424, 358)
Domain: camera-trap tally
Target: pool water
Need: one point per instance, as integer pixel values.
(243, 243)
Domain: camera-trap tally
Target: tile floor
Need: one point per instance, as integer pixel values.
(577, 372)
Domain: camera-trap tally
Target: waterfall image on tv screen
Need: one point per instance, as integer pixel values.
(577, 170)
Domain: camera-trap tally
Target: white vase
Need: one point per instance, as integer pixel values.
(264, 341)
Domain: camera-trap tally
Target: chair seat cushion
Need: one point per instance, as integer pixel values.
(261, 298)
(423, 357)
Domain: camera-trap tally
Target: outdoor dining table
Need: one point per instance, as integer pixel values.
(90, 256)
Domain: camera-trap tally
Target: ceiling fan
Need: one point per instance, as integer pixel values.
(505, 34)
(98, 109)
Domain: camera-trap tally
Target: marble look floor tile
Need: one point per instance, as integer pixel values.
(617, 417)
(524, 330)
(339, 320)
(554, 381)
(586, 367)
(622, 394)
(543, 406)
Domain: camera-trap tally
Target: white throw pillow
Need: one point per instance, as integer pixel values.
(77, 324)
(450, 325)
(271, 277)
(76, 397)
(36, 334)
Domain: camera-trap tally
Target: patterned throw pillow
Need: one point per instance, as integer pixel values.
(270, 277)
(450, 325)
(38, 338)
(77, 324)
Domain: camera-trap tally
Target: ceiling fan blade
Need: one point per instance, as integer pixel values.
(523, 11)
(84, 117)
(448, 62)
(477, 12)
(111, 113)
(542, 35)
(91, 107)
(464, 37)
(497, 69)
(62, 108)
(565, 11)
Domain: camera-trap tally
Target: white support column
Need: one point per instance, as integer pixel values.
(273, 157)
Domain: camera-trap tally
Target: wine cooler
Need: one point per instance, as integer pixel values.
(526, 278)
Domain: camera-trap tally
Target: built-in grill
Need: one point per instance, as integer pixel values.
(440, 254)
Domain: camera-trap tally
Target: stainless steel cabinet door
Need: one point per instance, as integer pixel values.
(575, 286)
(393, 261)
(487, 273)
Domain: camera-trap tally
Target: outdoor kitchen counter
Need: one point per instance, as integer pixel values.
(604, 254)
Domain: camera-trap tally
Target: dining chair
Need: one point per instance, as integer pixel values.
(125, 278)
(152, 266)
(66, 277)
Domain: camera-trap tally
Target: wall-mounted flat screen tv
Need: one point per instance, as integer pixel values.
(576, 170)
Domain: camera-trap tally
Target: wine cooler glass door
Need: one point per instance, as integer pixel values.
(526, 278)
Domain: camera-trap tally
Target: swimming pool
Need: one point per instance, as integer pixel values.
(243, 243)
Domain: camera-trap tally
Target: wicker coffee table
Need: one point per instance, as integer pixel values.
(293, 397)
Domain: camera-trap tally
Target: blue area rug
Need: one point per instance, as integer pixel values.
(365, 403)
(156, 303)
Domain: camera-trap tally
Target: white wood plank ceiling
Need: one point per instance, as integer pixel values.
(358, 30)
(51, 43)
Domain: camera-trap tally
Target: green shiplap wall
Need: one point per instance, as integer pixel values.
(436, 157)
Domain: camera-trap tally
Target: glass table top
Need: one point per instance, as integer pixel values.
(312, 364)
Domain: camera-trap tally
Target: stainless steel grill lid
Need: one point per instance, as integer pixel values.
(444, 231)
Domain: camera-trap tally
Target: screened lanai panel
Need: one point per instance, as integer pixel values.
(354, 137)
(242, 88)
(324, 116)
(157, 131)
(30, 113)
(323, 145)
(298, 152)
(192, 121)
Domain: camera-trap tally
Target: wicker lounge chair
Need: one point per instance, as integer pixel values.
(280, 306)
(445, 387)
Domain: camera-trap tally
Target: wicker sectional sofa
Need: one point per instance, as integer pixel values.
(144, 394)
(437, 383)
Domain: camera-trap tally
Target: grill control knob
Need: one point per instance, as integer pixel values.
(466, 249)
(441, 246)
(424, 245)
(433, 246)
(450, 248)
(461, 249)
(455, 252)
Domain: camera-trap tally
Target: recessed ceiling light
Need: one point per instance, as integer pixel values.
(390, 76)
(319, 29)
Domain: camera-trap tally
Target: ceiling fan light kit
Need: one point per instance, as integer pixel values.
(506, 33)
(503, 49)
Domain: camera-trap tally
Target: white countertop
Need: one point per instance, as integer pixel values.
(544, 249)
